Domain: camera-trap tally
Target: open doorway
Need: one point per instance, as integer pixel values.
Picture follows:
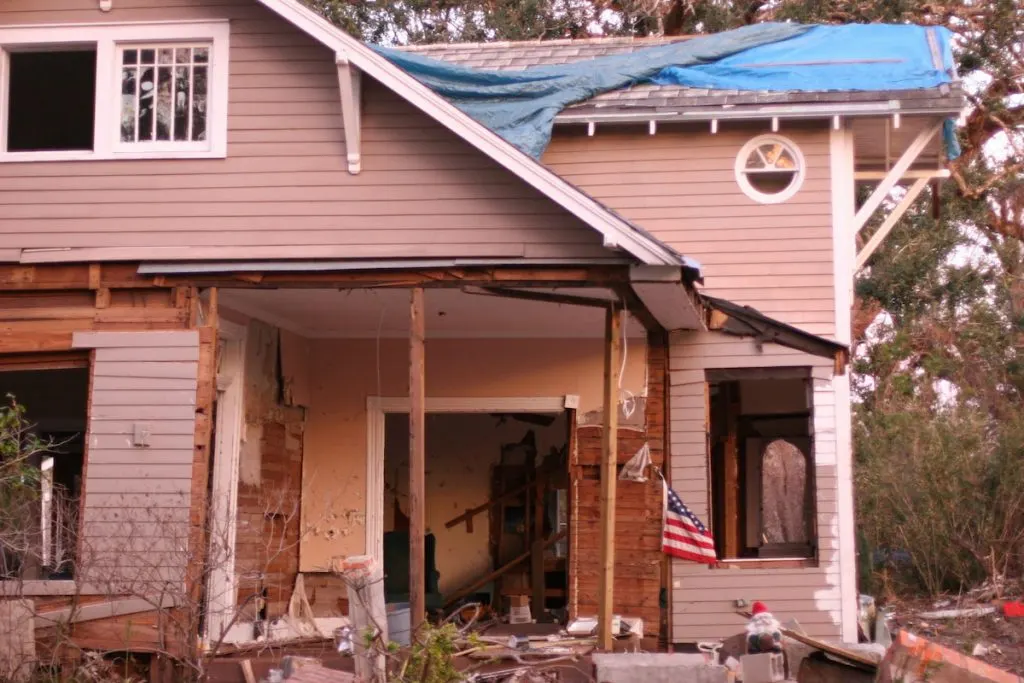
(496, 500)
(43, 425)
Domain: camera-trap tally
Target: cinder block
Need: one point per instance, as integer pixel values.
(656, 668)
(767, 667)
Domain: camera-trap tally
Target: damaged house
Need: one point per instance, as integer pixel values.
(278, 302)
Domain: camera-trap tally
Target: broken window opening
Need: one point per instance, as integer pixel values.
(42, 452)
(51, 100)
(761, 463)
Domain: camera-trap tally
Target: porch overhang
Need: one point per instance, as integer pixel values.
(743, 321)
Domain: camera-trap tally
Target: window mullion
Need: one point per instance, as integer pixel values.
(107, 109)
(4, 86)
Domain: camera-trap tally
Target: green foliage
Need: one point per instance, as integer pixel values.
(430, 658)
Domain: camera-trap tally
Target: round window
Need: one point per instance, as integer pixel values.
(769, 169)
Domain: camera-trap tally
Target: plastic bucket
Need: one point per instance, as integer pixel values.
(399, 623)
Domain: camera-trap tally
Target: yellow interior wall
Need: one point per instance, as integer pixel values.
(344, 372)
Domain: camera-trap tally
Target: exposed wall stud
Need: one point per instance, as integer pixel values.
(609, 473)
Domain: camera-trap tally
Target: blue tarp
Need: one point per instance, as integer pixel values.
(521, 105)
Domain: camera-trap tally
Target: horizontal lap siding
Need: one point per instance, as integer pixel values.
(777, 258)
(135, 528)
(284, 189)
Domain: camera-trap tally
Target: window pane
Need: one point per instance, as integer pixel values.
(164, 115)
(147, 56)
(51, 100)
(130, 57)
(771, 182)
(199, 99)
(147, 104)
(755, 160)
(165, 55)
(784, 494)
(129, 81)
(183, 55)
(182, 105)
(201, 54)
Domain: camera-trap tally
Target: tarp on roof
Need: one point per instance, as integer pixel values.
(521, 106)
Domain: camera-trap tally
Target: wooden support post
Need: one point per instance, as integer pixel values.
(417, 461)
(609, 472)
(731, 499)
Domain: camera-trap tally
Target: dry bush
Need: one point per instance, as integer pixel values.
(947, 488)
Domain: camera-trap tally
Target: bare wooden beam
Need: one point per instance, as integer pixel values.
(912, 174)
(890, 222)
(417, 460)
(609, 472)
(893, 176)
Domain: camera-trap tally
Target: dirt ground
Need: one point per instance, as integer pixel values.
(964, 633)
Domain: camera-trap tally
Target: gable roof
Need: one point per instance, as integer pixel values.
(616, 230)
(667, 101)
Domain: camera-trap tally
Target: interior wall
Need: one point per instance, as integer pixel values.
(344, 372)
(461, 452)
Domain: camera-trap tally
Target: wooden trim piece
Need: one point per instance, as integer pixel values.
(781, 563)
(417, 459)
(890, 222)
(45, 361)
(350, 87)
(103, 610)
(609, 472)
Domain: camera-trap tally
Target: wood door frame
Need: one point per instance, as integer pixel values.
(222, 584)
(379, 406)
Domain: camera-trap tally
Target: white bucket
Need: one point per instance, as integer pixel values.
(399, 623)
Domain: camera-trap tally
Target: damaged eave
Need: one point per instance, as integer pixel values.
(668, 295)
(742, 321)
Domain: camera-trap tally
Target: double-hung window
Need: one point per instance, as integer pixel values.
(113, 91)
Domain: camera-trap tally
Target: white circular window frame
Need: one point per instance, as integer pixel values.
(754, 193)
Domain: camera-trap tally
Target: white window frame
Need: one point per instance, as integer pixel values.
(107, 38)
(741, 169)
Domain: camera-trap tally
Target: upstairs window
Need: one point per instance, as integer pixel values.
(51, 100)
(769, 169)
(113, 91)
(164, 93)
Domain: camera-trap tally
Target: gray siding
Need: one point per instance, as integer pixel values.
(135, 528)
(680, 186)
(283, 190)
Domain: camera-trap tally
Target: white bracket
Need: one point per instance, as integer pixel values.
(894, 175)
(350, 86)
(890, 222)
(106, 5)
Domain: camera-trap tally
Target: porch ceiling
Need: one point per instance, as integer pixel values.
(451, 313)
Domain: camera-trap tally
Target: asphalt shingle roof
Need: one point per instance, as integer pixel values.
(661, 99)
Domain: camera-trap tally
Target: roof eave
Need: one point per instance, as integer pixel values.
(613, 228)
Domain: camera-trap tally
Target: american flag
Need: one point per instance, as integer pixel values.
(683, 535)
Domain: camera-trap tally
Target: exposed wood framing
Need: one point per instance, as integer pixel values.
(417, 460)
(731, 471)
(890, 222)
(557, 276)
(350, 86)
(609, 471)
(894, 176)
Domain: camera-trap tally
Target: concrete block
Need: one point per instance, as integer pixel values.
(656, 668)
(765, 667)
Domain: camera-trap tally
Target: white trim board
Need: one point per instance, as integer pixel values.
(379, 406)
(841, 153)
(615, 229)
(222, 584)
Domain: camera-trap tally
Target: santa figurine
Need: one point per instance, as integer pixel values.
(764, 633)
